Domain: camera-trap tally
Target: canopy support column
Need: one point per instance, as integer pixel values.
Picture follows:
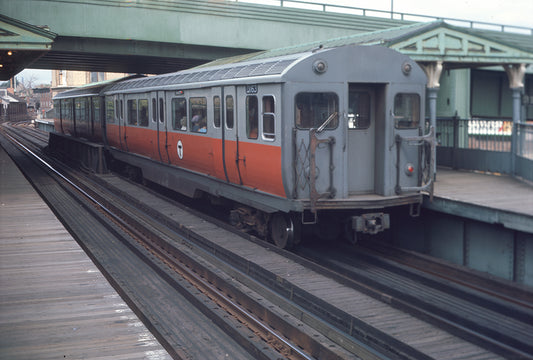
(516, 74)
(433, 71)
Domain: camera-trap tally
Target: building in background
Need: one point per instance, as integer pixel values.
(67, 79)
(12, 107)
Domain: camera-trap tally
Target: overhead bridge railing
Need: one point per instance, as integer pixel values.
(325, 7)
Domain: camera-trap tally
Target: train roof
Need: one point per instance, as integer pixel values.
(92, 89)
(270, 67)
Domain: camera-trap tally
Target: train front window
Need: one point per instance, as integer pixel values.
(406, 111)
(317, 110)
(358, 109)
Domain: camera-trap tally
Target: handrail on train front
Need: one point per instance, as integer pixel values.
(314, 195)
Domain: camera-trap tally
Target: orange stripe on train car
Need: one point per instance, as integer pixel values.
(259, 164)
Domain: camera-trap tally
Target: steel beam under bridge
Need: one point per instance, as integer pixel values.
(150, 36)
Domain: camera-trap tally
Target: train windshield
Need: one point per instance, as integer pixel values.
(317, 110)
(406, 111)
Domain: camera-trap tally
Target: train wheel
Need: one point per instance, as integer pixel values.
(281, 230)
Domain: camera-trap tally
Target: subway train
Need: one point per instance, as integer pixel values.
(326, 140)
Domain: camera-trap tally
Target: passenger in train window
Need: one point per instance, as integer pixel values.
(199, 124)
(195, 122)
(179, 114)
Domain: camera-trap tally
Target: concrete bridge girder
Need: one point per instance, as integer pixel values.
(182, 33)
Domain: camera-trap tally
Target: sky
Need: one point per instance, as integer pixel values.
(509, 12)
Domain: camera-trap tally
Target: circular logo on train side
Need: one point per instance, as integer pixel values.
(180, 149)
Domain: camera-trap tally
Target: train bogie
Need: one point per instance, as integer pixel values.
(331, 136)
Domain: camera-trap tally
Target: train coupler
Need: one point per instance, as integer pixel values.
(371, 223)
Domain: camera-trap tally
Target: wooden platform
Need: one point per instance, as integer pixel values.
(484, 197)
(54, 303)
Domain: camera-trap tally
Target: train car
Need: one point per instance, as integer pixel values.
(326, 139)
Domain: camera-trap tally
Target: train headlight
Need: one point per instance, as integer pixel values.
(409, 169)
(406, 68)
(320, 66)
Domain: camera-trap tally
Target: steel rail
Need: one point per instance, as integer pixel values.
(193, 278)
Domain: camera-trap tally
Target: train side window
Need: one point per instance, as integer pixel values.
(229, 112)
(252, 119)
(406, 111)
(69, 105)
(110, 110)
(121, 109)
(161, 111)
(198, 114)
(179, 114)
(358, 109)
(80, 113)
(269, 117)
(143, 112)
(216, 111)
(66, 109)
(132, 112)
(154, 110)
(96, 109)
(316, 110)
(57, 109)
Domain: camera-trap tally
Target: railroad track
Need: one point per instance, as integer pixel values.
(469, 308)
(276, 285)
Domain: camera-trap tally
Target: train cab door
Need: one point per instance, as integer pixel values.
(361, 139)
(159, 121)
(230, 135)
(317, 155)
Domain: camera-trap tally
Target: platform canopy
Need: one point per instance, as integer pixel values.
(21, 44)
(435, 45)
(435, 41)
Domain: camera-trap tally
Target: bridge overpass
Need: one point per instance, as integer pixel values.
(152, 36)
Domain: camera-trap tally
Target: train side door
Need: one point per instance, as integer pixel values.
(159, 118)
(361, 139)
(230, 136)
(217, 107)
(121, 122)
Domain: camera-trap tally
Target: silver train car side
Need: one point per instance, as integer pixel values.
(327, 139)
